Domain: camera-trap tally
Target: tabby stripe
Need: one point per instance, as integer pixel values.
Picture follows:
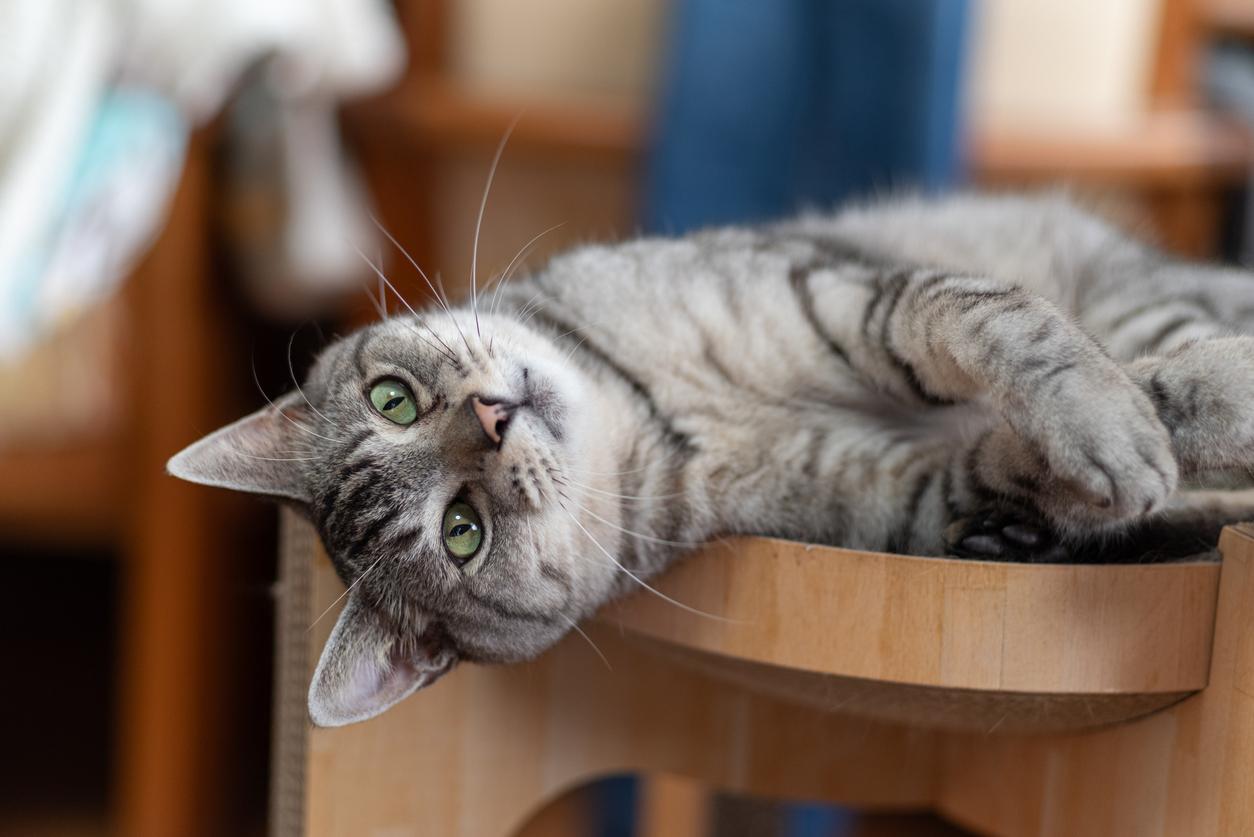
(1053, 373)
(367, 536)
(947, 489)
(326, 507)
(1043, 332)
(564, 331)
(814, 449)
(559, 577)
(359, 350)
(503, 611)
(968, 301)
(975, 483)
(1157, 305)
(836, 253)
(868, 313)
(1167, 330)
(352, 500)
(799, 280)
(712, 359)
(1169, 410)
(355, 442)
(921, 486)
(903, 366)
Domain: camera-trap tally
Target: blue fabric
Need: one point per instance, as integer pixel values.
(615, 805)
(771, 107)
(818, 821)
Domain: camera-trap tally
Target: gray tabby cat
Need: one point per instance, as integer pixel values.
(992, 377)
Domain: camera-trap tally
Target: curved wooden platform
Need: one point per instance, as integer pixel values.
(986, 692)
(936, 641)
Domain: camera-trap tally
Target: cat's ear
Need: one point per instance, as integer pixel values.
(257, 454)
(365, 667)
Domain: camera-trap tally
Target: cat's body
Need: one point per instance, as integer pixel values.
(994, 376)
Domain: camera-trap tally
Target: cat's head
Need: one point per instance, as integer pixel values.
(432, 465)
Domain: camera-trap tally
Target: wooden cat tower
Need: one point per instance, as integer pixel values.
(1010, 699)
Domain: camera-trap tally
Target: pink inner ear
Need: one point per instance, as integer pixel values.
(372, 685)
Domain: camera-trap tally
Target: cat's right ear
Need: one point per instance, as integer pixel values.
(257, 454)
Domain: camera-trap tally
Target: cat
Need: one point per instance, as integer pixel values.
(1004, 377)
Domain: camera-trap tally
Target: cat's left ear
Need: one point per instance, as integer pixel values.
(257, 454)
(366, 667)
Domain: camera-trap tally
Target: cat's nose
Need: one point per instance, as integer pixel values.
(493, 415)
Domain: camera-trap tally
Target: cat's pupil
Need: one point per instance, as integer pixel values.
(459, 530)
(393, 403)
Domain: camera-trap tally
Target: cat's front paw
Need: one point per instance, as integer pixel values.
(1001, 535)
(1109, 456)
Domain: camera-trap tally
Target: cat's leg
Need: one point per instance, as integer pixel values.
(1071, 416)
(1204, 395)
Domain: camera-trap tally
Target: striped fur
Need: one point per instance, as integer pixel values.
(883, 379)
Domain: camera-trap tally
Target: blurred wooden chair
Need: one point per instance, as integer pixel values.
(1012, 699)
(166, 352)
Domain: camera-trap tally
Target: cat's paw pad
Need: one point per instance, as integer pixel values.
(1004, 536)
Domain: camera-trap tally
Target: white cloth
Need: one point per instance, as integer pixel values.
(89, 154)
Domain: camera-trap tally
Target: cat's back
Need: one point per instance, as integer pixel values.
(712, 321)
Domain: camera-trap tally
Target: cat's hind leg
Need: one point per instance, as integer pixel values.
(1203, 393)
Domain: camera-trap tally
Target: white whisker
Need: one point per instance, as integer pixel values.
(641, 581)
(571, 353)
(562, 479)
(447, 351)
(483, 205)
(645, 467)
(291, 371)
(638, 535)
(587, 639)
(278, 458)
(442, 300)
(293, 421)
(505, 275)
(347, 590)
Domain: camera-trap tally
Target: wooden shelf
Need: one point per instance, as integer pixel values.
(811, 692)
(1164, 150)
(936, 641)
(438, 112)
(1168, 148)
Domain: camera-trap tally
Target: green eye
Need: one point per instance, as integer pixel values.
(463, 532)
(394, 401)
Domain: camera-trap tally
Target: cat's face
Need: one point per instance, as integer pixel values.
(433, 467)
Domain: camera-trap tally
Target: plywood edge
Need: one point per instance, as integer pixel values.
(937, 622)
(916, 706)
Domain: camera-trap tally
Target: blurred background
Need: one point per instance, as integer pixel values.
(184, 188)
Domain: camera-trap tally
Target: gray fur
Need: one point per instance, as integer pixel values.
(874, 380)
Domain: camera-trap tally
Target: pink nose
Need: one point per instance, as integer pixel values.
(493, 416)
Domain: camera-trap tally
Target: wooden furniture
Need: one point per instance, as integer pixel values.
(1172, 170)
(177, 358)
(1013, 699)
